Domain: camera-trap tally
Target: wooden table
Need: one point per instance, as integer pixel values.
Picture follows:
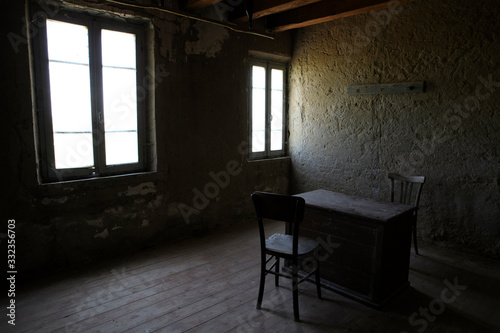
(368, 255)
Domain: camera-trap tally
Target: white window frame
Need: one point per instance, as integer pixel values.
(42, 108)
(267, 153)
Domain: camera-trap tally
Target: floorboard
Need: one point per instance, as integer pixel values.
(210, 284)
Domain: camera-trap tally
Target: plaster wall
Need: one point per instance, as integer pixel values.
(450, 133)
(203, 179)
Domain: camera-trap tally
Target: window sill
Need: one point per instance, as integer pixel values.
(269, 159)
(97, 179)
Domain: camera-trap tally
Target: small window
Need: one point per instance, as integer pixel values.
(267, 110)
(91, 117)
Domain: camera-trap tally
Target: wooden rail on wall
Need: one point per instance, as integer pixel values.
(388, 88)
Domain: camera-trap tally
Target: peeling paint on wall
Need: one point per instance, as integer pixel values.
(210, 40)
(103, 235)
(157, 202)
(115, 211)
(140, 201)
(47, 201)
(165, 28)
(141, 189)
(96, 222)
(173, 209)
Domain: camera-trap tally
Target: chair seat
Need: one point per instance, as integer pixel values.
(283, 244)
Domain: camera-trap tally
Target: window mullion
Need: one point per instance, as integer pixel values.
(97, 98)
(268, 109)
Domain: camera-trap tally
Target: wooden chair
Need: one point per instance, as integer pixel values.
(290, 247)
(410, 189)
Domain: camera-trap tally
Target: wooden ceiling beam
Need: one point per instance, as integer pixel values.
(325, 11)
(269, 7)
(198, 4)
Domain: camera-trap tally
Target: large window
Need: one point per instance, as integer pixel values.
(267, 110)
(91, 101)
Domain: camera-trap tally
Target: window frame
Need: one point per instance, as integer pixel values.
(42, 104)
(267, 153)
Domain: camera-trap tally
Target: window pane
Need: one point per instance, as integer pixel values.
(118, 49)
(258, 77)
(276, 79)
(121, 148)
(276, 109)
(120, 97)
(70, 97)
(258, 109)
(276, 140)
(70, 94)
(67, 42)
(73, 150)
(258, 119)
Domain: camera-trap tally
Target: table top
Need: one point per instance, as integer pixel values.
(354, 205)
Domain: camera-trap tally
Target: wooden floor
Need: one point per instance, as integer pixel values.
(210, 284)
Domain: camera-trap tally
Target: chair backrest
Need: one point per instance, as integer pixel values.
(278, 207)
(410, 189)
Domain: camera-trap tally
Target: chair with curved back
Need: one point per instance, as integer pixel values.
(410, 189)
(291, 247)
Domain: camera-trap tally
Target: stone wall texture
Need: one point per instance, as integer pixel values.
(450, 133)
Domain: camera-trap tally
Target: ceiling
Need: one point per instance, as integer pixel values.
(282, 15)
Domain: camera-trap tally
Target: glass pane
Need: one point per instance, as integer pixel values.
(258, 119)
(277, 120)
(258, 77)
(73, 150)
(258, 109)
(118, 49)
(67, 42)
(276, 140)
(276, 109)
(276, 79)
(70, 97)
(120, 97)
(258, 141)
(121, 148)
(70, 94)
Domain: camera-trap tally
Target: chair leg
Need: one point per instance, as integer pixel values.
(295, 289)
(318, 280)
(262, 281)
(277, 270)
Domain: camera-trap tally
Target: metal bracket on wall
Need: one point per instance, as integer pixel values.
(388, 88)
